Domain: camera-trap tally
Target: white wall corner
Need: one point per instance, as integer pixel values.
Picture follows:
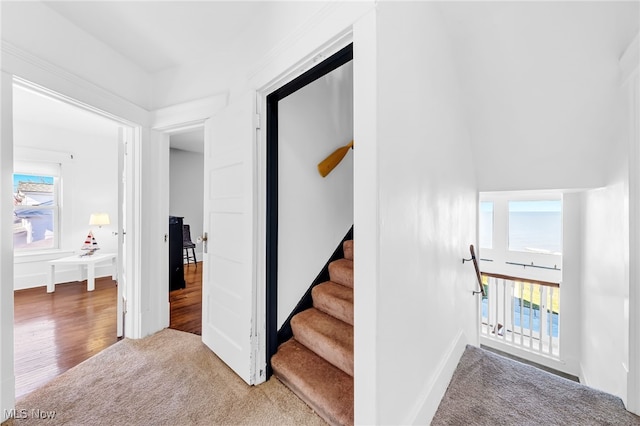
(630, 59)
(434, 389)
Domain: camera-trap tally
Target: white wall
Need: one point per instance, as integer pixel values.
(541, 97)
(427, 215)
(605, 289)
(89, 184)
(186, 187)
(605, 267)
(314, 213)
(42, 32)
(571, 287)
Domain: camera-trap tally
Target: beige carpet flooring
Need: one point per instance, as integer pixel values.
(488, 389)
(169, 378)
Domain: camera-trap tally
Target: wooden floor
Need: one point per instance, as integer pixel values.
(186, 303)
(54, 332)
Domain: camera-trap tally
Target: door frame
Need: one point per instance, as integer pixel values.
(177, 119)
(167, 132)
(132, 167)
(131, 164)
(320, 63)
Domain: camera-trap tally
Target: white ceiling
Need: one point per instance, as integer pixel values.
(159, 35)
(192, 141)
(533, 74)
(162, 35)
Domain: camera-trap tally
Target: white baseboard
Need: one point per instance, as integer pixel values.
(583, 376)
(542, 359)
(434, 390)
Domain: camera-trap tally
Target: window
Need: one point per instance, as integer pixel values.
(486, 224)
(535, 226)
(35, 208)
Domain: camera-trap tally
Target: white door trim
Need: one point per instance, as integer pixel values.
(188, 115)
(630, 64)
(133, 165)
(167, 121)
(7, 377)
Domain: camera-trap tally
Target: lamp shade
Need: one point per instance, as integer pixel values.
(99, 219)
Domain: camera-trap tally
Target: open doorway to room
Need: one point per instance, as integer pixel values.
(66, 170)
(186, 186)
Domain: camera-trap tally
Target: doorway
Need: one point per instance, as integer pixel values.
(186, 186)
(292, 182)
(67, 169)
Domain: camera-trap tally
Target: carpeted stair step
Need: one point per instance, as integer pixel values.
(334, 299)
(347, 248)
(341, 272)
(325, 388)
(325, 335)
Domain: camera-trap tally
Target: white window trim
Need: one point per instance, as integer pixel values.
(495, 259)
(29, 160)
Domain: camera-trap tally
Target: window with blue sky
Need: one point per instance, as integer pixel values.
(35, 212)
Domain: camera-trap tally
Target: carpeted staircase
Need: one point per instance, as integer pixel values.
(317, 363)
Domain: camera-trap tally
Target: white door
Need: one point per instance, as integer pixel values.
(122, 208)
(228, 279)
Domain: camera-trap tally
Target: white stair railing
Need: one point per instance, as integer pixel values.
(522, 312)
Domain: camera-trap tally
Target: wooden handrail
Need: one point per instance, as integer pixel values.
(475, 265)
(520, 279)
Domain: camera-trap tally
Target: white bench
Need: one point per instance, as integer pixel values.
(83, 261)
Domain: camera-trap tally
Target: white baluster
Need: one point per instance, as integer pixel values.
(550, 328)
(501, 315)
(521, 309)
(543, 317)
(530, 316)
(512, 310)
